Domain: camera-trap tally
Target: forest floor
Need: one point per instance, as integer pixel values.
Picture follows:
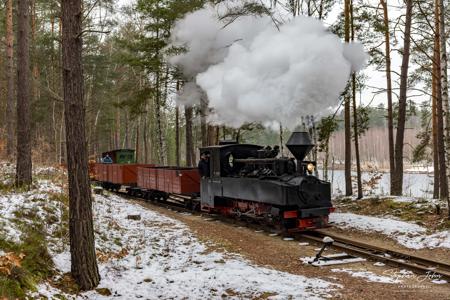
(171, 255)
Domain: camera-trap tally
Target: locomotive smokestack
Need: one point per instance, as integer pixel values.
(299, 144)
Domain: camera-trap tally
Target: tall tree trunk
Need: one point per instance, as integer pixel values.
(397, 182)
(356, 137)
(444, 80)
(177, 130)
(435, 77)
(82, 246)
(443, 189)
(138, 151)
(355, 117)
(189, 137)
(203, 124)
(387, 42)
(10, 79)
(348, 133)
(117, 127)
(24, 165)
(35, 82)
(158, 117)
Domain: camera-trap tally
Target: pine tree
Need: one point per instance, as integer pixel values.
(24, 164)
(397, 183)
(82, 246)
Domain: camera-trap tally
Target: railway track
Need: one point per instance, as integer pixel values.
(432, 269)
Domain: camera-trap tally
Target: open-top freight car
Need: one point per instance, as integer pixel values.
(158, 183)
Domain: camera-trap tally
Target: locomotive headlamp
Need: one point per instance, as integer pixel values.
(310, 167)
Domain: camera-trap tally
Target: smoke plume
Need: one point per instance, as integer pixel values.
(253, 72)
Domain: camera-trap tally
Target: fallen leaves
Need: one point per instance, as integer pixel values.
(10, 260)
(107, 256)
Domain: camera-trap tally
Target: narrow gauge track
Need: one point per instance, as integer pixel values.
(430, 268)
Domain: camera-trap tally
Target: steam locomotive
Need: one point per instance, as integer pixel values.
(244, 180)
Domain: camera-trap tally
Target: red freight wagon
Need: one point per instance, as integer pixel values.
(184, 181)
(125, 173)
(109, 172)
(152, 182)
(141, 176)
(145, 177)
(160, 182)
(101, 173)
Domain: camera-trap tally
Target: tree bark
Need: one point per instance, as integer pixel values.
(24, 164)
(82, 245)
(434, 128)
(177, 130)
(444, 81)
(203, 124)
(189, 137)
(397, 182)
(443, 189)
(10, 79)
(348, 133)
(387, 41)
(355, 117)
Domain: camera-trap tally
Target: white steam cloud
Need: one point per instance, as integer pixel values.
(251, 72)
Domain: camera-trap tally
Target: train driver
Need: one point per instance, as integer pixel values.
(107, 159)
(203, 165)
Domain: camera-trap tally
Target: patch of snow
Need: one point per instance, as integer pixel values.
(414, 184)
(62, 261)
(381, 225)
(49, 292)
(370, 276)
(407, 234)
(436, 240)
(439, 281)
(165, 260)
(35, 201)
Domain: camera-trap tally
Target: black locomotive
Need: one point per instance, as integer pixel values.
(248, 180)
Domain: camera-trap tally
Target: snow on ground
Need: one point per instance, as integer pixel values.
(34, 201)
(164, 260)
(407, 234)
(414, 184)
(370, 276)
(154, 257)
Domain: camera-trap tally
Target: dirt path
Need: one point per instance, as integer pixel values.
(265, 250)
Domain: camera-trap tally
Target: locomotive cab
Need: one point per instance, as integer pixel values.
(249, 180)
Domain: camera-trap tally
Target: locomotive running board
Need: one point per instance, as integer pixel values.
(332, 259)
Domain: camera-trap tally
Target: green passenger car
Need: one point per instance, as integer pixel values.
(121, 156)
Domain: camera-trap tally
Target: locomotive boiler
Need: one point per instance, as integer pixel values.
(250, 181)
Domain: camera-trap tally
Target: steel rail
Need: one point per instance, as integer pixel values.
(431, 268)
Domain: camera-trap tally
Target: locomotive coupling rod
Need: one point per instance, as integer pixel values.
(327, 241)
